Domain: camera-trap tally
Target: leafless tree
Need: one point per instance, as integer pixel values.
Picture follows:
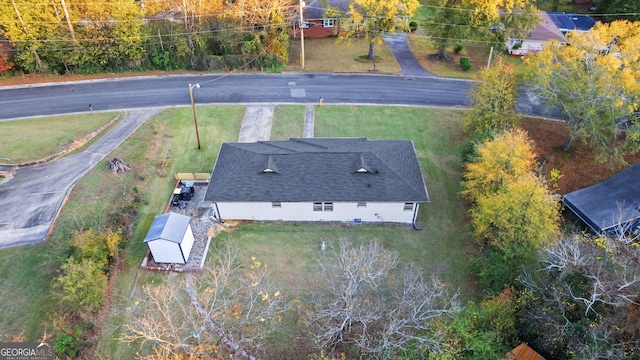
(625, 219)
(365, 306)
(584, 294)
(228, 308)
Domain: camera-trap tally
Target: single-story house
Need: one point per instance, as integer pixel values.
(544, 31)
(170, 238)
(315, 24)
(608, 204)
(570, 22)
(318, 179)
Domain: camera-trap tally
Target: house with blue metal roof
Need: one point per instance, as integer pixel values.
(570, 22)
(318, 179)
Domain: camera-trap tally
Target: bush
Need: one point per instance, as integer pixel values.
(413, 26)
(82, 286)
(466, 64)
(458, 49)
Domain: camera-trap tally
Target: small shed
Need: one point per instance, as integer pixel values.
(170, 238)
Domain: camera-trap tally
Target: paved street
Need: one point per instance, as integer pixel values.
(30, 201)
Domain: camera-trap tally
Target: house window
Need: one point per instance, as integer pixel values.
(362, 204)
(318, 206)
(276, 204)
(408, 206)
(330, 22)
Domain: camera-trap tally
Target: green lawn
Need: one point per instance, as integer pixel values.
(33, 139)
(288, 122)
(166, 144)
(333, 55)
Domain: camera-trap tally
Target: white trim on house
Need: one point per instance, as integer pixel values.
(329, 22)
(308, 211)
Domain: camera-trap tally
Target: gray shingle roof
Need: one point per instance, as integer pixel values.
(318, 169)
(170, 226)
(608, 203)
(315, 9)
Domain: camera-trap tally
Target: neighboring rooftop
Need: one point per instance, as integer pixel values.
(569, 22)
(546, 29)
(314, 10)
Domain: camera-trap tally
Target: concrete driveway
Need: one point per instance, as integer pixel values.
(31, 199)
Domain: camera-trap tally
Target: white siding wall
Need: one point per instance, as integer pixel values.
(187, 242)
(164, 251)
(528, 46)
(298, 211)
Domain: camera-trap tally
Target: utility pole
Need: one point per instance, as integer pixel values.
(490, 54)
(66, 15)
(193, 106)
(301, 34)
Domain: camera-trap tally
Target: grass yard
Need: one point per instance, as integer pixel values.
(54, 134)
(288, 122)
(166, 144)
(288, 248)
(478, 55)
(333, 55)
(25, 291)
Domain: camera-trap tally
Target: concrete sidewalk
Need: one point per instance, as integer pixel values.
(257, 122)
(31, 199)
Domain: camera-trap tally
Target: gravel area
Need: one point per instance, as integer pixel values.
(202, 226)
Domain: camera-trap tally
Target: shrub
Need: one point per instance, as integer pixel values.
(413, 26)
(466, 64)
(458, 49)
(82, 286)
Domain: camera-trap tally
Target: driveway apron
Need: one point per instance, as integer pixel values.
(398, 45)
(256, 124)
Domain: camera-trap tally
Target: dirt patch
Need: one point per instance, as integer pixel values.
(577, 167)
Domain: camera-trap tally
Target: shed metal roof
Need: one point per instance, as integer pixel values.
(318, 169)
(170, 226)
(609, 203)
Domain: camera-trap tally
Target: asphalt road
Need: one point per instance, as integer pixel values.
(288, 88)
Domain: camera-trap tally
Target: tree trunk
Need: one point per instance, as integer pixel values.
(567, 144)
(372, 53)
(440, 55)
